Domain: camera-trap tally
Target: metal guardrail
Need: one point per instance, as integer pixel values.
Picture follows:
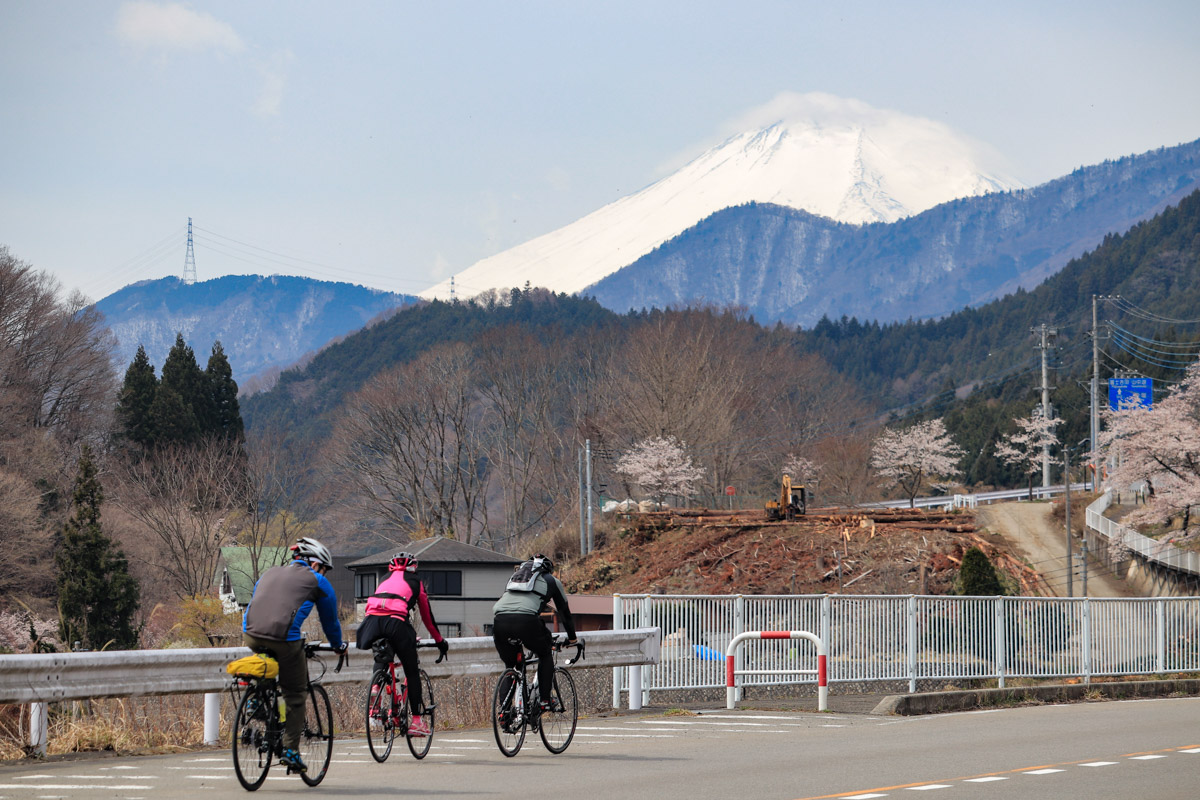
(973, 500)
(40, 679)
(53, 677)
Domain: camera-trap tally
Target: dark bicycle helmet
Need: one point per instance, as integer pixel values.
(403, 561)
(312, 550)
(543, 562)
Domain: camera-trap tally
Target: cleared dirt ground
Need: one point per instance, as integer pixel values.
(1032, 530)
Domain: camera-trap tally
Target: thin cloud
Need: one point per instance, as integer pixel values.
(274, 81)
(174, 26)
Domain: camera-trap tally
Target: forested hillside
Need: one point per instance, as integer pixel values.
(1145, 278)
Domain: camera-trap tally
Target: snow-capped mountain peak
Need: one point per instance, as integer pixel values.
(835, 158)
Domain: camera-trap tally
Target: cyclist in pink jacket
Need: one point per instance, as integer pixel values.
(388, 621)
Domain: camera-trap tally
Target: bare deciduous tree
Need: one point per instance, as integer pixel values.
(409, 446)
(183, 496)
(521, 381)
(22, 537)
(55, 357)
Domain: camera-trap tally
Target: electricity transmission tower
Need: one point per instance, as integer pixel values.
(189, 260)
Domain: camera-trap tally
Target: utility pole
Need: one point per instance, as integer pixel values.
(1094, 420)
(1047, 412)
(583, 499)
(1070, 555)
(588, 457)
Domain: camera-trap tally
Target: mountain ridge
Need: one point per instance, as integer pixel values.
(839, 159)
(262, 322)
(786, 265)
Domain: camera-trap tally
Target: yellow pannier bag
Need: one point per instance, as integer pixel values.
(255, 665)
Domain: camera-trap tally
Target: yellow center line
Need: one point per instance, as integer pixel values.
(1016, 771)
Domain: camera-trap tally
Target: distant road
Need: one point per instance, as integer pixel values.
(1087, 751)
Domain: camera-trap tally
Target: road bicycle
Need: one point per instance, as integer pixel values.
(516, 705)
(259, 721)
(387, 708)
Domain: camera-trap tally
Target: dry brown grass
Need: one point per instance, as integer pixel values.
(176, 722)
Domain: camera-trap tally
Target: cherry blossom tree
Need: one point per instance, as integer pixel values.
(1023, 449)
(1160, 445)
(920, 454)
(661, 466)
(799, 468)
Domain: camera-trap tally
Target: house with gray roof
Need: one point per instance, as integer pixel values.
(463, 582)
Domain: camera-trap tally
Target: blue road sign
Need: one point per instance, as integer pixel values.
(1124, 392)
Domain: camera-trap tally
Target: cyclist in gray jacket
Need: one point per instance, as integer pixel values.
(518, 616)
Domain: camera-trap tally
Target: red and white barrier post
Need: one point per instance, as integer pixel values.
(731, 672)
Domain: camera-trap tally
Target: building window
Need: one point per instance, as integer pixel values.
(441, 582)
(450, 630)
(364, 584)
(488, 628)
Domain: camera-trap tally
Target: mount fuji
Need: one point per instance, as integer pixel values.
(834, 158)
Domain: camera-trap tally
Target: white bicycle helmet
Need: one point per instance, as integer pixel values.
(312, 550)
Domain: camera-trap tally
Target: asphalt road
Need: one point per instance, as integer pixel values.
(1134, 749)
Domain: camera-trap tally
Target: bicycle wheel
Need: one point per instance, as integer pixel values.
(558, 723)
(252, 735)
(508, 719)
(419, 745)
(316, 741)
(380, 709)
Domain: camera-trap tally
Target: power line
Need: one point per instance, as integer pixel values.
(1136, 311)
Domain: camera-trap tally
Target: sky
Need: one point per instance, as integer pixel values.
(392, 144)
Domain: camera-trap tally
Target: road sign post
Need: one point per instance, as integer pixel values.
(1126, 392)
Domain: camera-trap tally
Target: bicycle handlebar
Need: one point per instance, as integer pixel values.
(343, 655)
(559, 644)
(427, 644)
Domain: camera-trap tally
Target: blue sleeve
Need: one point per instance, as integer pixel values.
(328, 610)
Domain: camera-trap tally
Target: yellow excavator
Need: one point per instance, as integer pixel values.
(792, 501)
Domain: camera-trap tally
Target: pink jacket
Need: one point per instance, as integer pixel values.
(394, 598)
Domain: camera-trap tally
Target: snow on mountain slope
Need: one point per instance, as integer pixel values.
(837, 158)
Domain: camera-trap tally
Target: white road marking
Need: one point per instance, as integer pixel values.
(986, 779)
(209, 777)
(1098, 764)
(1191, 750)
(864, 796)
(628, 735)
(71, 786)
(1146, 758)
(707, 722)
(928, 786)
(1046, 771)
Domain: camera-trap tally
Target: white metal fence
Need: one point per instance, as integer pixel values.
(911, 638)
(1125, 538)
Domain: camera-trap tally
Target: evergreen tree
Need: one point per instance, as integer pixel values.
(97, 597)
(134, 402)
(181, 374)
(223, 391)
(171, 419)
(977, 577)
